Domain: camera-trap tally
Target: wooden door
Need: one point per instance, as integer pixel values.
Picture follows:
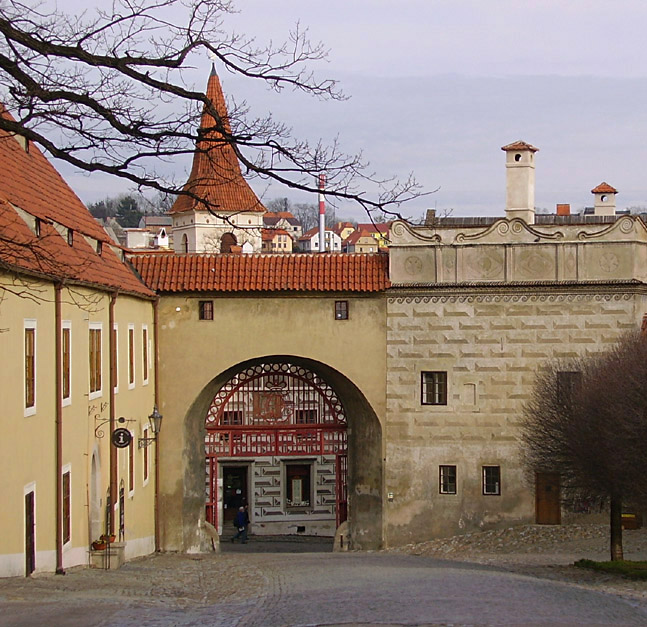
(30, 535)
(234, 481)
(547, 498)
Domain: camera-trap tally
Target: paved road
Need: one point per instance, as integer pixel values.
(258, 587)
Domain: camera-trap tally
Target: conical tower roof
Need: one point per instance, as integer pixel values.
(215, 175)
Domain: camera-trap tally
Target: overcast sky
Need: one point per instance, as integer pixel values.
(438, 86)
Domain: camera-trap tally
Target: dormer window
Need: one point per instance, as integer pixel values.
(70, 237)
(37, 226)
(99, 247)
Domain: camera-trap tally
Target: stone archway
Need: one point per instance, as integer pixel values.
(364, 450)
(227, 241)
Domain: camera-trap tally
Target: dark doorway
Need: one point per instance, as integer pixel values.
(234, 481)
(226, 242)
(547, 499)
(30, 536)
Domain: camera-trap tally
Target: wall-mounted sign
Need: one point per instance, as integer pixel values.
(121, 438)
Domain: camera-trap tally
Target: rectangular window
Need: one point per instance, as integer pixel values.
(341, 310)
(434, 388)
(145, 353)
(232, 417)
(66, 358)
(95, 360)
(568, 384)
(30, 367)
(115, 355)
(491, 480)
(146, 458)
(297, 485)
(67, 507)
(447, 479)
(306, 416)
(206, 309)
(131, 356)
(131, 466)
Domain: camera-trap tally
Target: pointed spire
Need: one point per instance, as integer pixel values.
(215, 174)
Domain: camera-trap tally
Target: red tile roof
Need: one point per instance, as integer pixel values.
(215, 175)
(319, 272)
(31, 184)
(519, 145)
(379, 227)
(604, 188)
(269, 234)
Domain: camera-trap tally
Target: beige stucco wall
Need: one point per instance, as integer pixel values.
(28, 446)
(194, 352)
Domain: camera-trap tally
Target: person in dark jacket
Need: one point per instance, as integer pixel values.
(241, 522)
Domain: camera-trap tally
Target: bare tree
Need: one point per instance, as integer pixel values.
(587, 421)
(105, 91)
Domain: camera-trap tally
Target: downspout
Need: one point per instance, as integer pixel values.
(157, 439)
(113, 380)
(58, 288)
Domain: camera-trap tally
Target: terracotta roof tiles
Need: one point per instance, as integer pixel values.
(604, 188)
(519, 145)
(325, 272)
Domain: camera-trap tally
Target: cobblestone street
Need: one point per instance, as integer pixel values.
(306, 584)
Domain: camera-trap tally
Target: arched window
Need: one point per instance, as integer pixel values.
(185, 244)
(227, 241)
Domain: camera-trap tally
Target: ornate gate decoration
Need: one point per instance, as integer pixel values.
(275, 410)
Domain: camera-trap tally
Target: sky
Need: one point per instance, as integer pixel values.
(436, 87)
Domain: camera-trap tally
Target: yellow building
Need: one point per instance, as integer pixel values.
(78, 361)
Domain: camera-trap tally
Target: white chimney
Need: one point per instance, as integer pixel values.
(605, 200)
(520, 181)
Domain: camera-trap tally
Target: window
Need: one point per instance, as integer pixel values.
(568, 384)
(66, 358)
(67, 507)
(131, 466)
(434, 388)
(95, 360)
(206, 310)
(447, 479)
(115, 355)
(232, 417)
(131, 356)
(145, 353)
(341, 310)
(306, 416)
(146, 458)
(70, 237)
(297, 485)
(491, 480)
(30, 367)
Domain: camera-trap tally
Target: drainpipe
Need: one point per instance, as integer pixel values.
(113, 380)
(157, 439)
(58, 341)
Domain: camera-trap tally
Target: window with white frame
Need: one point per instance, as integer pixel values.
(145, 351)
(492, 480)
(95, 355)
(447, 479)
(115, 355)
(66, 362)
(66, 513)
(131, 465)
(30, 366)
(131, 356)
(146, 457)
(298, 479)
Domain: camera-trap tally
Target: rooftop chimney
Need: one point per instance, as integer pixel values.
(563, 210)
(520, 181)
(605, 200)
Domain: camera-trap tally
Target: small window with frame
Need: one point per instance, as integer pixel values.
(341, 310)
(205, 310)
(434, 388)
(447, 479)
(297, 486)
(492, 480)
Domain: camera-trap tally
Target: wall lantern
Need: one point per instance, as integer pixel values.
(156, 424)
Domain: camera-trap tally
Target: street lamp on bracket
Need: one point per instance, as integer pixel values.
(156, 423)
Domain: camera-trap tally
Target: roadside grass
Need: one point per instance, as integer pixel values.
(631, 570)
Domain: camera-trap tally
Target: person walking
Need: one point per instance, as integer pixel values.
(241, 522)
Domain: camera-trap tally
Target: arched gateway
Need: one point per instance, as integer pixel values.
(276, 440)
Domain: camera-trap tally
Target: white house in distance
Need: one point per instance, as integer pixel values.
(233, 216)
(309, 241)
